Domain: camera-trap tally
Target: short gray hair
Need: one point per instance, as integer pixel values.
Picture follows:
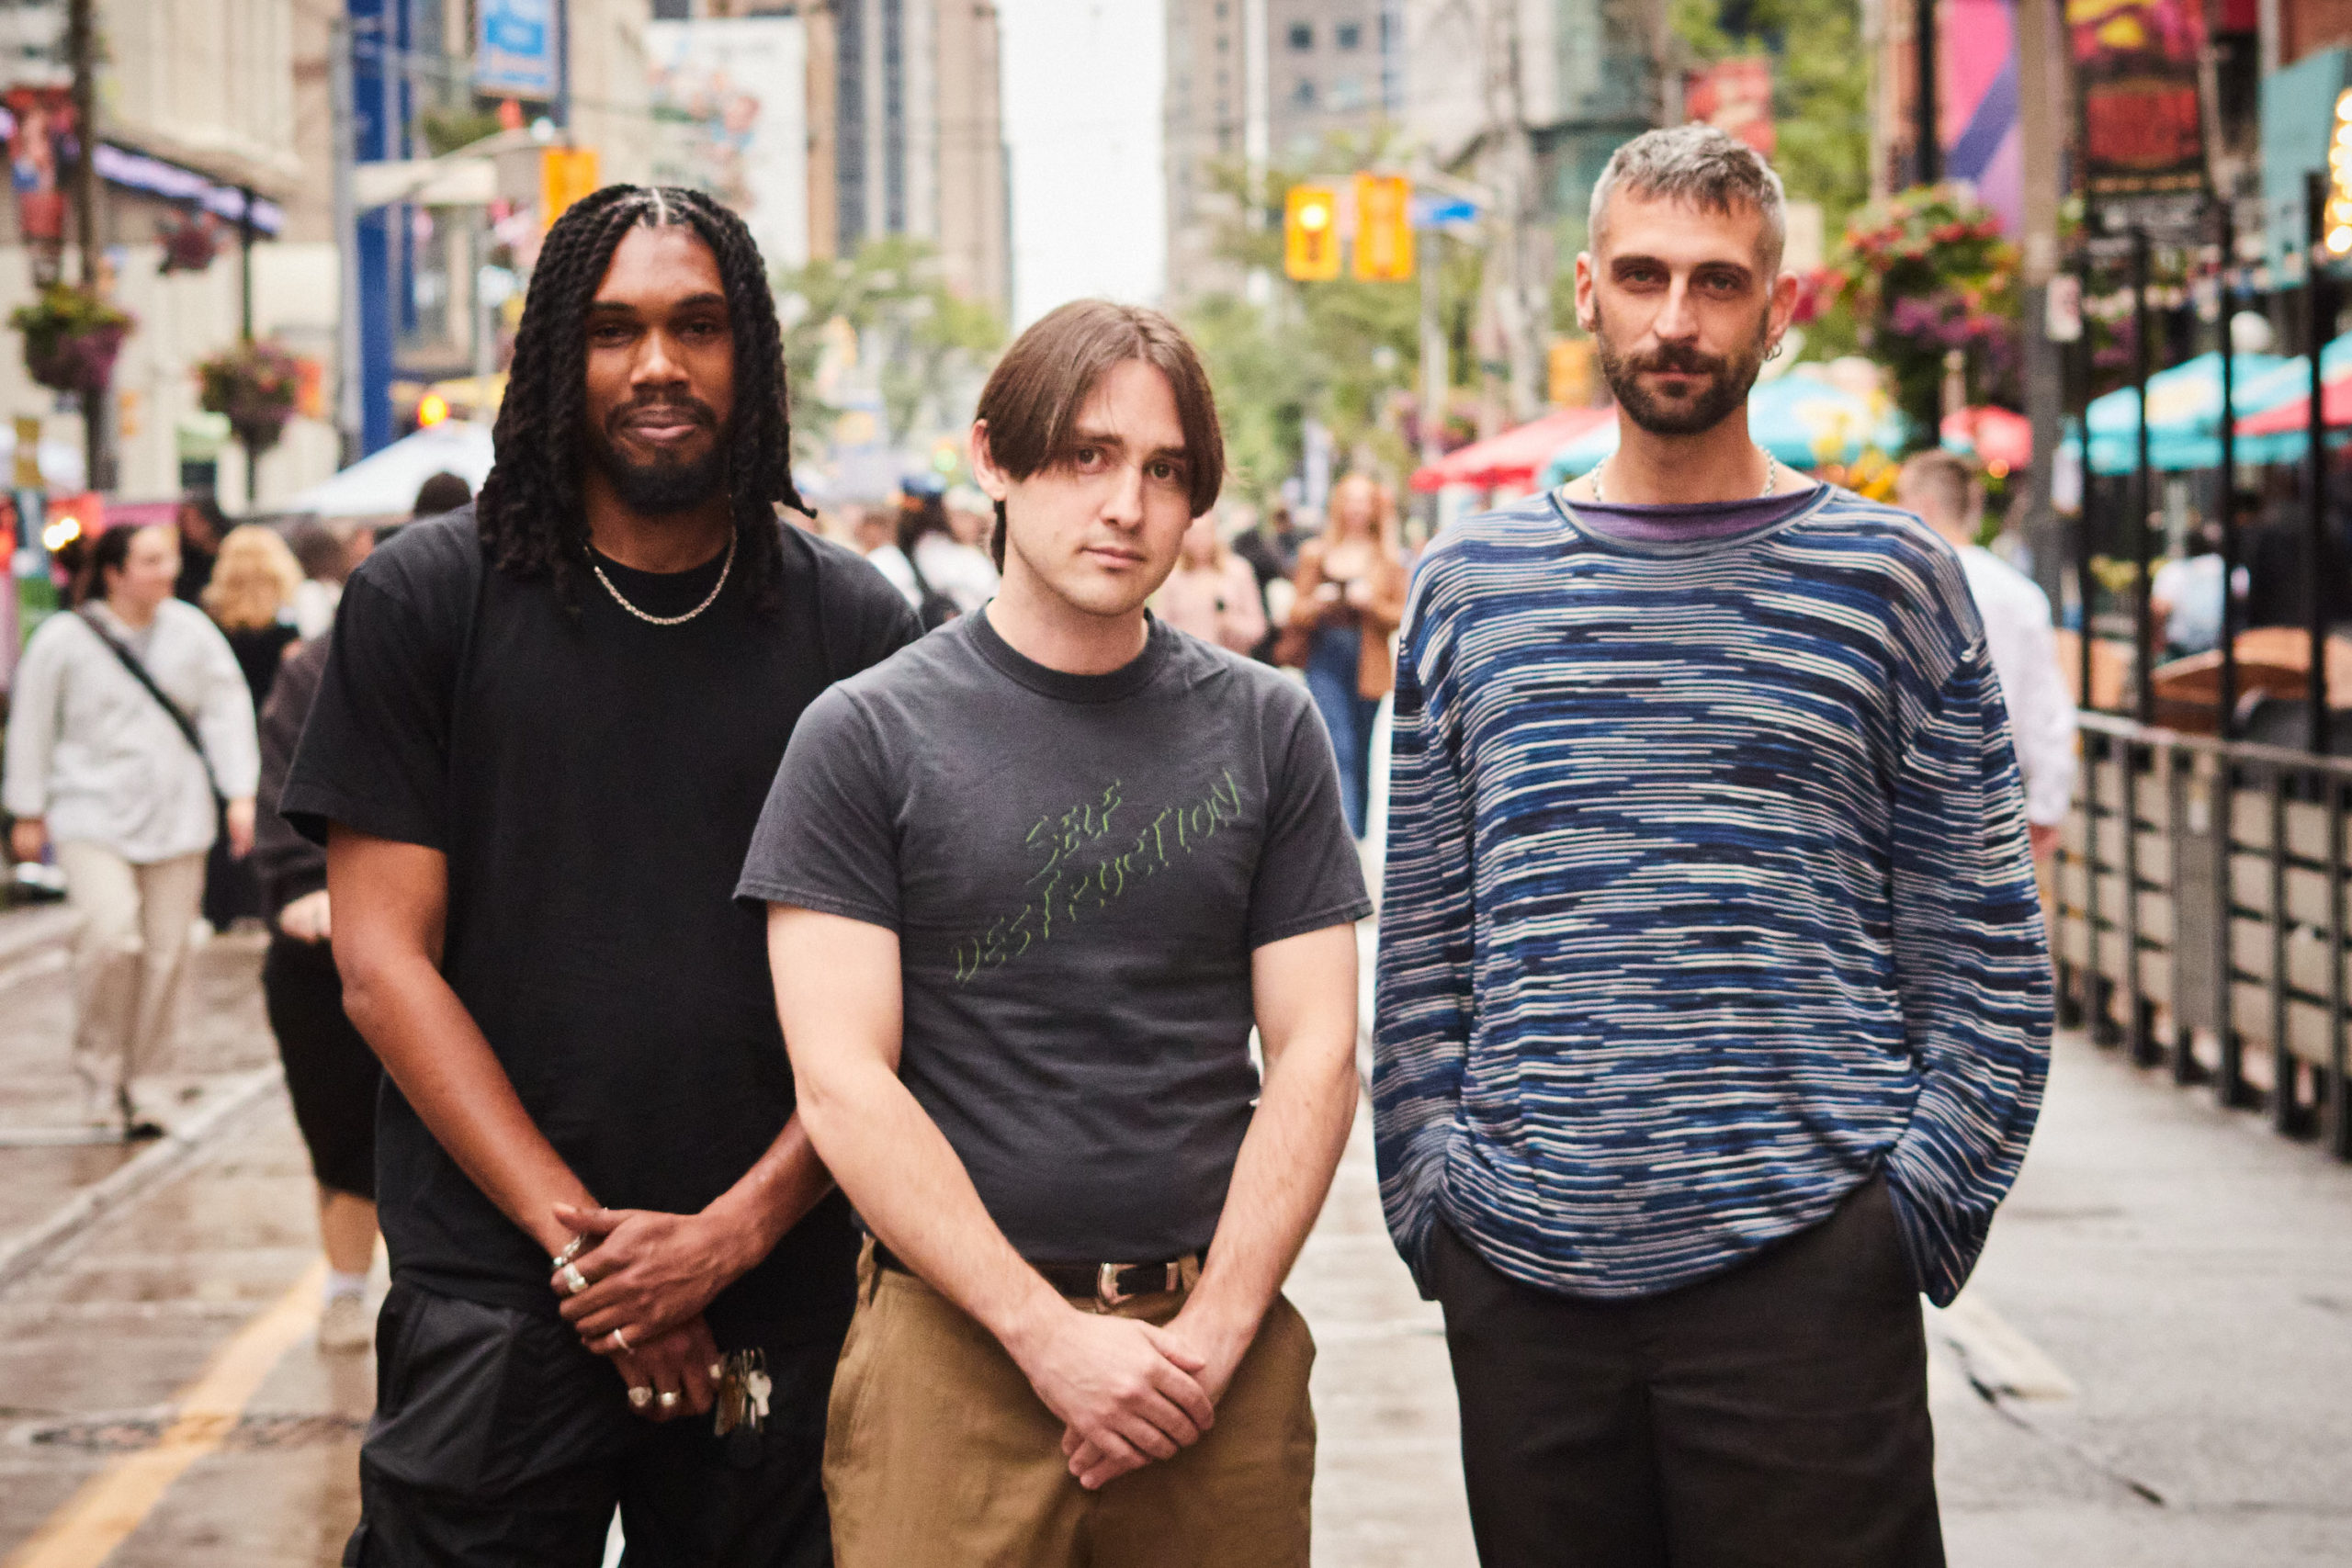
(1703, 166)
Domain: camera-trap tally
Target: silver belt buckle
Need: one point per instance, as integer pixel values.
(1106, 1285)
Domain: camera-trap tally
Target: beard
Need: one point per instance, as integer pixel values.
(1729, 378)
(667, 485)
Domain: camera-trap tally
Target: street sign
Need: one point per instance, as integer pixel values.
(515, 49)
(1311, 233)
(566, 174)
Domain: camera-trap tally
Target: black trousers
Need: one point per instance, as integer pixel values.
(498, 1442)
(1775, 1416)
(331, 1074)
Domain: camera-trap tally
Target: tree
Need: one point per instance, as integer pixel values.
(891, 296)
(1820, 88)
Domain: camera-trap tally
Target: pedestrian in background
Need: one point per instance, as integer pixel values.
(1942, 488)
(1713, 1002)
(1213, 593)
(251, 598)
(331, 1075)
(326, 562)
(874, 530)
(1349, 595)
(200, 525)
(537, 752)
(130, 727)
(954, 578)
(1030, 883)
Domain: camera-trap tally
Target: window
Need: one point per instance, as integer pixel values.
(1304, 93)
(1348, 35)
(1347, 94)
(1302, 36)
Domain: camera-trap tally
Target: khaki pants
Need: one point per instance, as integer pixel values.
(128, 958)
(937, 1450)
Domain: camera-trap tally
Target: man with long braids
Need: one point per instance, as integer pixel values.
(542, 740)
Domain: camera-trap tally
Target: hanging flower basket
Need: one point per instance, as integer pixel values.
(257, 385)
(72, 337)
(189, 244)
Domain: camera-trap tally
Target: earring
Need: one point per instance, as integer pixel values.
(1774, 352)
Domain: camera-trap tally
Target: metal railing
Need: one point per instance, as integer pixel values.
(2210, 937)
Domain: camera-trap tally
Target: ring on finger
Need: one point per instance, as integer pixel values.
(669, 1398)
(640, 1396)
(620, 1340)
(575, 1282)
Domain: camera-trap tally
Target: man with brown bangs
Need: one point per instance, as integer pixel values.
(1031, 884)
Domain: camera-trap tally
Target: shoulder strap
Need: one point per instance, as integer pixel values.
(180, 720)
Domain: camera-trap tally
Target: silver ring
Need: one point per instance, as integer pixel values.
(620, 1341)
(575, 1282)
(640, 1396)
(570, 1250)
(669, 1400)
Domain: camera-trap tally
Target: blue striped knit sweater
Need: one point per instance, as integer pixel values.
(1708, 898)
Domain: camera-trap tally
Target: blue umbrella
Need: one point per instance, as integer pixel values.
(1801, 419)
(2183, 412)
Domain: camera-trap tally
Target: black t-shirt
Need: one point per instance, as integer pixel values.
(594, 784)
(1079, 868)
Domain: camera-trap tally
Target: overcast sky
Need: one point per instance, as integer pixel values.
(1081, 112)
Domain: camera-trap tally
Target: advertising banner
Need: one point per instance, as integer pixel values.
(41, 139)
(2143, 126)
(730, 102)
(1735, 96)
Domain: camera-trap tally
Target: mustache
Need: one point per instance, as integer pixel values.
(1679, 359)
(692, 408)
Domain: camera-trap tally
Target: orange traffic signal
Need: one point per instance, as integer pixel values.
(565, 175)
(1311, 233)
(1383, 228)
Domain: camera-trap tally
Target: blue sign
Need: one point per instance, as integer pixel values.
(515, 49)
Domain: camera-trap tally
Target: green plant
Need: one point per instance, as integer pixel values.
(257, 385)
(72, 337)
(1927, 274)
(445, 131)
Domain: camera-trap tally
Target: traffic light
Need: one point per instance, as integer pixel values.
(1383, 228)
(1311, 233)
(2336, 232)
(566, 174)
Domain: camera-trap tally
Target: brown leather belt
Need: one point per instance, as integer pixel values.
(1109, 1283)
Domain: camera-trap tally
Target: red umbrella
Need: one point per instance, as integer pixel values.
(1512, 458)
(2294, 416)
(1994, 434)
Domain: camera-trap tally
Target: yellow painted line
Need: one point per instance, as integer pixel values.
(85, 1530)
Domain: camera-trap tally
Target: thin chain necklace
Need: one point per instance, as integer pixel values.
(1771, 477)
(708, 599)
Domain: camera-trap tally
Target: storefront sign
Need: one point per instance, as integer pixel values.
(516, 44)
(2143, 127)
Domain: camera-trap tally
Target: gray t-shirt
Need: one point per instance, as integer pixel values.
(1077, 868)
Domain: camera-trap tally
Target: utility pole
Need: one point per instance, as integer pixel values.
(1929, 157)
(346, 238)
(1518, 293)
(81, 49)
(1436, 378)
(2038, 73)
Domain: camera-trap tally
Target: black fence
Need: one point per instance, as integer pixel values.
(2201, 916)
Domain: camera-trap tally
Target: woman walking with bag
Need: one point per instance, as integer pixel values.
(131, 743)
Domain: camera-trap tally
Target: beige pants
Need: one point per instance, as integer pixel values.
(937, 1450)
(127, 961)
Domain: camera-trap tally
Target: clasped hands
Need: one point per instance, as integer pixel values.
(644, 1280)
(1127, 1391)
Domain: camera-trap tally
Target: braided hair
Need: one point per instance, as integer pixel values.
(530, 513)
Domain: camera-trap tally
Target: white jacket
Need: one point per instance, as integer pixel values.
(92, 752)
(2019, 638)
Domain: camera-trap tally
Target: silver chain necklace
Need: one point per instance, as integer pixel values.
(708, 599)
(1771, 477)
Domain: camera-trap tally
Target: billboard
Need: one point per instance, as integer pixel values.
(2137, 65)
(731, 101)
(515, 49)
(1734, 96)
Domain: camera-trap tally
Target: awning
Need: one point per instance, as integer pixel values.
(384, 484)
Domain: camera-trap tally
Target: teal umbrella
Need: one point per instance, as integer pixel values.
(1801, 419)
(2184, 413)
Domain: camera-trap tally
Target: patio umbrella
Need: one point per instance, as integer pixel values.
(383, 484)
(1510, 458)
(1994, 435)
(2184, 414)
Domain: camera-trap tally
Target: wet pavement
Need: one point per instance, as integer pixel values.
(2171, 1287)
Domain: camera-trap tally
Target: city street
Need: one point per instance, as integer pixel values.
(2153, 1366)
